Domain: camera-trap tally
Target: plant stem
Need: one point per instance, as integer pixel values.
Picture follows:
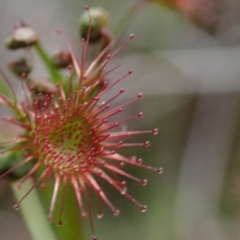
(4, 88)
(55, 75)
(71, 228)
(33, 212)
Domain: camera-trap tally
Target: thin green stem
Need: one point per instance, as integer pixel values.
(33, 212)
(4, 88)
(72, 228)
(55, 75)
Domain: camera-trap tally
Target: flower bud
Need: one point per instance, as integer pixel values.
(20, 67)
(95, 18)
(41, 86)
(61, 59)
(42, 92)
(21, 37)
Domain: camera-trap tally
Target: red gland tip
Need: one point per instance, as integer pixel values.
(140, 95)
(155, 131)
(140, 115)
(116, 212)
(130, 71)
(121, 164)
(159, 170)
(94, 238)
(139, 161)
(105, 83)
(119, 143)
(131, 36)
(122, 90)
(16, 207)
(144, 208)
(124, 191)
(60, 223)
(100, 215)
(87, 8)
(123, 183)
(69, 68)
(127, 135)
(146, 144)
(144, 182)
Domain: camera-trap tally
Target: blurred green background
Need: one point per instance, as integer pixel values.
(191, 83)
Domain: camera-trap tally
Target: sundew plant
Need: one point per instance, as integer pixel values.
(70, 134)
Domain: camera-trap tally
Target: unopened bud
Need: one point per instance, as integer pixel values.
(41, 86)
(21, 37)
(95, 19)
(61, 59)
(20, 67)
(42, 93)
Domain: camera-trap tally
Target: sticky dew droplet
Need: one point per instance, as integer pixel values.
(123, 184)
(116, 212)
(94, 238)
(159, 170)
(124, 191)
(146, 144)
(121, 164)
(139, 161)
(144, 182)
(155, 131)
(16, 207)
(99, 215)
(144, 208)
(140, 95)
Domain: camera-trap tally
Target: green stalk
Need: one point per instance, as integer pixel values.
(55, 75)
(4, 88)
(71, 228)
(33, 212)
